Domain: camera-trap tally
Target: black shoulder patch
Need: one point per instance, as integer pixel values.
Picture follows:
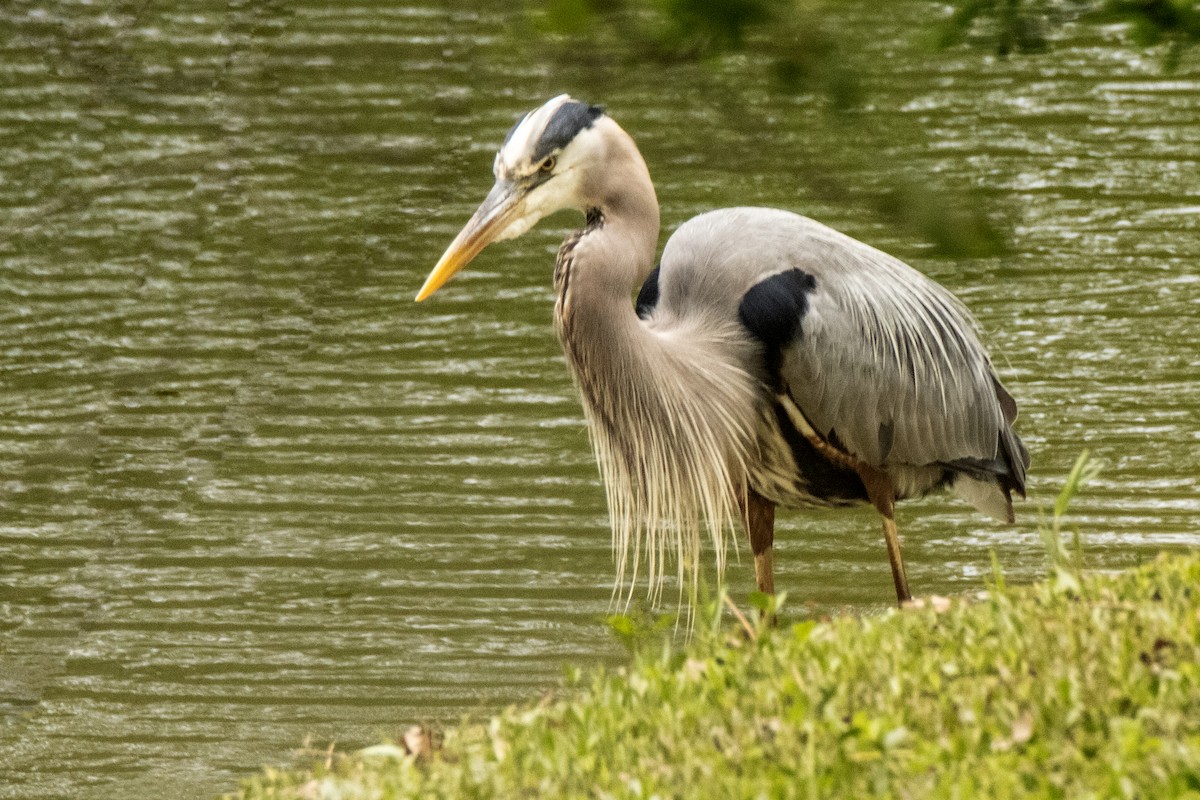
(773, 310)
(647, 297)
(565, 125)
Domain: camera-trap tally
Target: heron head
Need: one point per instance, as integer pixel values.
(540, 169)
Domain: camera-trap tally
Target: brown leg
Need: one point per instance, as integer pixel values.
(759, 514)
(882, 494)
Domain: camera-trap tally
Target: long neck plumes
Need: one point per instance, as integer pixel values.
(661, 399)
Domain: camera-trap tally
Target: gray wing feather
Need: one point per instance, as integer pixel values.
(885, 362)
(889, 365)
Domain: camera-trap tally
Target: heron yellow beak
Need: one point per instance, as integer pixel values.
(498, 210)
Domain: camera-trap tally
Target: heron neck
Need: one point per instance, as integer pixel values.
(621, 238)
(661, 400)
(612, 356)
(598, 270)
(608, 350)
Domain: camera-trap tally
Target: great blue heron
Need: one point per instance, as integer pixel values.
(768, 360)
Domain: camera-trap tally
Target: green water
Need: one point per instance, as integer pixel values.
(250, 493)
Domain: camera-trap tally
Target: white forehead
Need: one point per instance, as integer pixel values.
(526, 132)
(545, 130)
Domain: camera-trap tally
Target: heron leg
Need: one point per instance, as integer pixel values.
(882, 495)
(759, 515)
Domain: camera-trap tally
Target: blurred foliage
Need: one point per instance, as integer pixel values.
(795, 44)
(796, 49)
(1023, 26)
(955, 222)
(804, 54)
(1016, 25)
(790, 38)
(1152, 22)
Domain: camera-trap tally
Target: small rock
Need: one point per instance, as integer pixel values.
(418, 741)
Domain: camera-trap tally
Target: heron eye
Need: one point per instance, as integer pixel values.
(548, 164)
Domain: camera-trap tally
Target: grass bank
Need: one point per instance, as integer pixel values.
(1083, 686)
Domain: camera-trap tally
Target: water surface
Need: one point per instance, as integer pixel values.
(250, 493)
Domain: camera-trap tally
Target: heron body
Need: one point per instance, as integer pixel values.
(768, 360)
